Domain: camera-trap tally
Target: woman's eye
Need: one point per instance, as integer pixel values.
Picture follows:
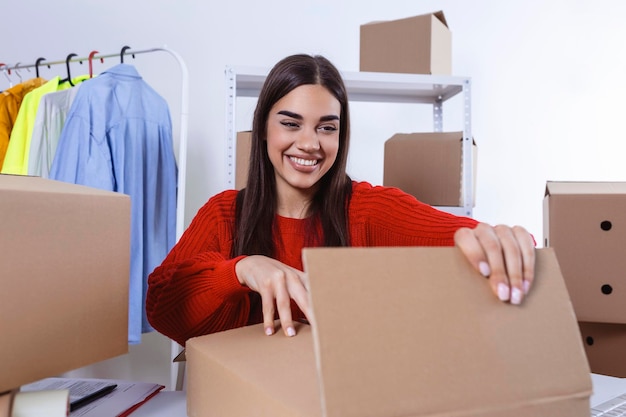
(289, 124)
(329, 128)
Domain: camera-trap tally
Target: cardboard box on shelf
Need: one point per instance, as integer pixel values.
(428, 166)
(242, 150)
(416, 45)
(582, 222)
(434, 342)
(64, 268)
(605, 344)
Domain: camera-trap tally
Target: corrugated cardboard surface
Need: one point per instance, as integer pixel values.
(418, 45)
(428, 166)
(605, 346)
(585, 224)
(64, 268)
(401, 332)
(242, 372)
(244, 143)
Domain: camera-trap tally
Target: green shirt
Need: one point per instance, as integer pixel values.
(16, 158)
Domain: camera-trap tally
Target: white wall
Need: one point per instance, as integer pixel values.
(548, 77)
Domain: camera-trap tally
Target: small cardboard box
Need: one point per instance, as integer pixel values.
(585, 223)
(242, 158)
(401, 332)
(428, 166)
(605, 346)
(415, 45)
(64, 270)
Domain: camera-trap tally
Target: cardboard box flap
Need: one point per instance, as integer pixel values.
(584, 188)
(439, 15)
(33, 184)
(416, 331)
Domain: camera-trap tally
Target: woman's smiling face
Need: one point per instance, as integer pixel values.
(303, 137)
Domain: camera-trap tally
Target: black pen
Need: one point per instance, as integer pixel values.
(74, 405)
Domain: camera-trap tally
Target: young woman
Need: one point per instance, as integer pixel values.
(239, 261)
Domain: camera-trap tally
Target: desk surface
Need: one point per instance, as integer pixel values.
(174, 403)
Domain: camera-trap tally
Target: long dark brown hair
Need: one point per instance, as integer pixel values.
(257, 202)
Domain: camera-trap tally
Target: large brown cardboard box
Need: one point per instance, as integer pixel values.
(605, 347)
(428, 166)
(585, 223)
(242, 158)
(416, 45)
(64, 270)
(401, 332)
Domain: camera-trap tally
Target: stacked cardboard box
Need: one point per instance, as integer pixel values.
(64, 268)
(585, 223)
(242, 155)
(417, 45)
(428, 166)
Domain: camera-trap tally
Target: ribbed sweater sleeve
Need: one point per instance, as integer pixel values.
(386, 216)
(195, 290)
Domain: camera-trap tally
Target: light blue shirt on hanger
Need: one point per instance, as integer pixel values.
(118, 137)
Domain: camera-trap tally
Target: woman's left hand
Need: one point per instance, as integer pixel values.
(505, 255)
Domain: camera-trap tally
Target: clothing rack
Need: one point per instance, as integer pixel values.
(176, 371)
(184, 113)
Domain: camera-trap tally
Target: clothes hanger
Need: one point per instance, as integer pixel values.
(122, 53)
(67, 66)
(91, 62)
(39, 60)
(7, 72)
(17, 65)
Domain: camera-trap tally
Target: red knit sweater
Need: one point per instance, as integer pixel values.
(195, 290)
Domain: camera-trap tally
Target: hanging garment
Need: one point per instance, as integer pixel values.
(49, 122)
(10, 102)
(118, 137)
(16, 158)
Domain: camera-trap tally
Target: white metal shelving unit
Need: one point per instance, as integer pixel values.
(431, 90)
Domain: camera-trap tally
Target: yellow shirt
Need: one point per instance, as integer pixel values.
(10, 101)
(16, 158)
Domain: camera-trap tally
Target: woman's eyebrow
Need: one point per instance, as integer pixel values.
(329, 118)
(299, 116)
(290, 114)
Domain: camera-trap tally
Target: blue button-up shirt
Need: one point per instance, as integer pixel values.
(118, 137)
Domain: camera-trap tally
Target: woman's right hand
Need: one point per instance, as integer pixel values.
(277, 284)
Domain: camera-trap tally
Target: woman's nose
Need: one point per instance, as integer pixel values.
(308, 141)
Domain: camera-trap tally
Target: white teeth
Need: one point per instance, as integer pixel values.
(301, 161)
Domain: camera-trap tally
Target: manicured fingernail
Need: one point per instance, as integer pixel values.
(526, 286)
(516, 296)
(503, 292)
(269, 331)
(484, 269)
(291, 331)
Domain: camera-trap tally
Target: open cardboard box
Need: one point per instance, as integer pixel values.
(401, 332)
(416, 45)
(583, 222)
(64, 271)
